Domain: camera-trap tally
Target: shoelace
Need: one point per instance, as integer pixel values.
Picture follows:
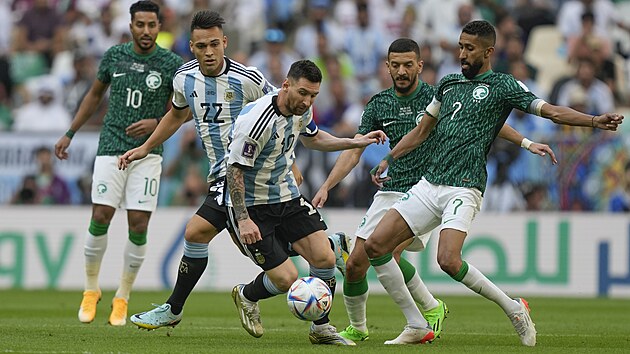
(252, 311)
(161, 307)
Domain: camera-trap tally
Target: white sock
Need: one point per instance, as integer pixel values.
(134, 256)
(391, 277)
(421, 294)
(478, 283)
(93, 250)
(355, 306)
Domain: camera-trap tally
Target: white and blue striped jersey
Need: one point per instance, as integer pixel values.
(215, 102)
(264, 142)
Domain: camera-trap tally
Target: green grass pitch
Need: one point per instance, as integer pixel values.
(46, 322)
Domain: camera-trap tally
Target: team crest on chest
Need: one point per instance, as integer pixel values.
(154, 80)
(480, 92)
(229, 95)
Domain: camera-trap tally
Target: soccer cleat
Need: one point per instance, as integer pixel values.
(340, 247)
(436, 317)
(87, 311)
(328, 335)
(160, 316)
(354, 334)
(412, 335)
(118, 317)
(248, 311)
(523, 324)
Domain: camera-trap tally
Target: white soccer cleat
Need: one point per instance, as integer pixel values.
(160, 316)
(248, 312)
(523, 324)
(412, 335)
(328, 335)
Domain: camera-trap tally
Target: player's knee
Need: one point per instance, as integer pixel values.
(193, 234)
(102, 215)
(356, 269)
(373, 248)
(449, 262)
(139, 222)
(284, 281)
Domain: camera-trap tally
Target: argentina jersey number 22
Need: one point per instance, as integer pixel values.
(213, 111)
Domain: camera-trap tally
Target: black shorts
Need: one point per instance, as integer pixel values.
(213, 208)
(280, 224)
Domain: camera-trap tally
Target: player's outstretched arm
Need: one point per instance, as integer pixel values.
(346, 161)
(247, 228)
(173, 119)
(88, 106)
(324, 141)
(569, 116)
(510, 134)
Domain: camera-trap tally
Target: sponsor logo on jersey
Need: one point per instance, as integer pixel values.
(154, 80)
(480, 92)
(137, 67)
(248, 149)
(193, 94)
(229, 95)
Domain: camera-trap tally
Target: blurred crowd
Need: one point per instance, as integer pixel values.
(569, 52)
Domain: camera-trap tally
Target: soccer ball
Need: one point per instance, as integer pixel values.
(309, 299)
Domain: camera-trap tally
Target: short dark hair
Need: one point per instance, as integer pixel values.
(205, 19)
(483, 29)
(404, 45)
(305, 69)
(144, 6)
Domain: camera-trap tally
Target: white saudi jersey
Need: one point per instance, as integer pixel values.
(215, 102)
(264, 141)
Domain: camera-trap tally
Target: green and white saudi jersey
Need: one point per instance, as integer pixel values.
(396, 116)
(140, 88)
(470, 115)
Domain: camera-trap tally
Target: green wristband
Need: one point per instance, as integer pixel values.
(70, 133)
(389, 158)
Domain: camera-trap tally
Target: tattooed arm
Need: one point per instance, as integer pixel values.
(247, 229)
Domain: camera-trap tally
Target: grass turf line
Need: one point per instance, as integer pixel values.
(46, 322)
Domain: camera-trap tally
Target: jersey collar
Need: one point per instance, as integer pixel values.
(276, 109)
(410, 96)
(484, 75)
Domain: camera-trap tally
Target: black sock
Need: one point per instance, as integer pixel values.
(256, 290)
(190, 270)
(332, 284)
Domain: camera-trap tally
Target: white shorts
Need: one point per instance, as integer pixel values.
(382, 202)
(135, 188)
(427, 206)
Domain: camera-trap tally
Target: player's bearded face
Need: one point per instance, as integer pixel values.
(473, 54)
(144, 30)
(404, 69)
(470, 70)
(301, 95)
